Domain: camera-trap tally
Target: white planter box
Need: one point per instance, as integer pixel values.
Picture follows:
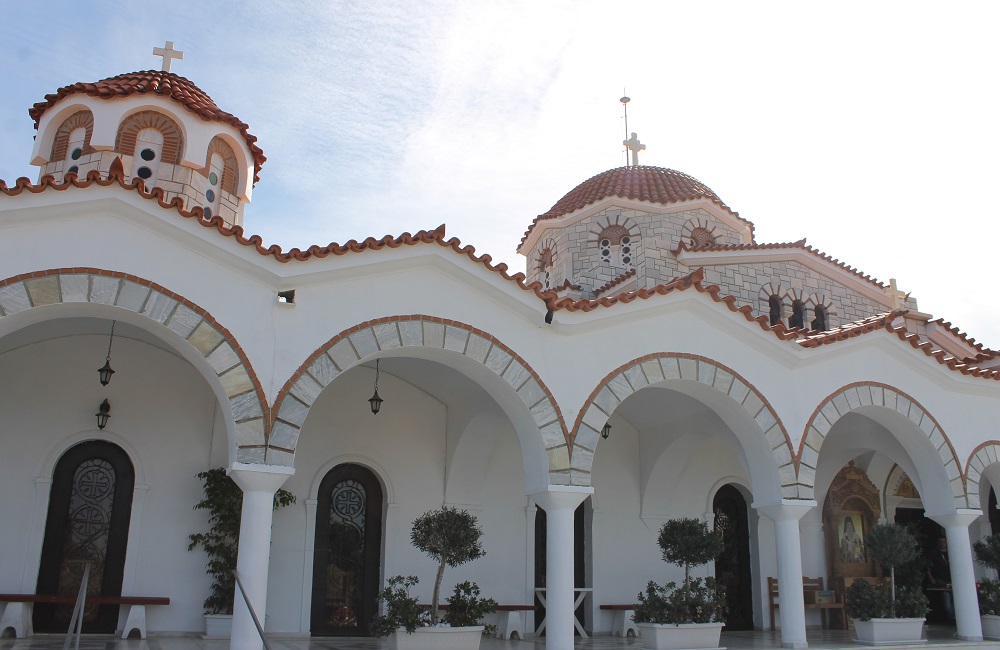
(437, 638)
(890, 631)
(991, 627)
(684, 635)
(218, 626)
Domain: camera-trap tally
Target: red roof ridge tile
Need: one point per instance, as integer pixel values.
(852, 329)
(800, 244)
(615, 282)
(641, 183)
(983, 350)
(159, 82)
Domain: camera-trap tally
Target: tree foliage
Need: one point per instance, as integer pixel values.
(892, 545)
(449, 536)
(988, 552)
(688, 543)
(224, 501)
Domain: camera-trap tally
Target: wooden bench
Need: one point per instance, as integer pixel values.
(623, 623)
(808, 585)
(17, 613)
(510, 620)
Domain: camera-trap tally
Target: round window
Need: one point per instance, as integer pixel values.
(73, 170)
(144, 172)
(626, 259)
(605, 252)
(76, 153)
(213, 178)
(147, 154)
(625, 240)
(626, 249)
(208, 213)
(605, 243)
(210, 195)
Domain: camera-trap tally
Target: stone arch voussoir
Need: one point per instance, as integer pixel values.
(868, 393)
(656, 368)
(981, 457)
(353, 346)
(192, 323)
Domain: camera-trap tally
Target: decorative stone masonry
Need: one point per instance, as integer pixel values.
(862, 394)
(164, 309)
(361, 342)
(982, 457)
(657, 368)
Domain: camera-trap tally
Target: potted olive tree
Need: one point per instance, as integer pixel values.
(988, 554)
(224, 501)
(689, 616)
(451, 537)
(887, 613)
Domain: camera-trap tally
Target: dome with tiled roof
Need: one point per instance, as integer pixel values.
(158, 82)
(656, 185)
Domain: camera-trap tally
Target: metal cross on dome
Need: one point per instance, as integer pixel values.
(169, 53)
(635, 147)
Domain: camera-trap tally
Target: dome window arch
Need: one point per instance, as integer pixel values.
(71, 145)
(821, 320)
(774, 307)
(151, 139)
(798, 317)
(617, 245)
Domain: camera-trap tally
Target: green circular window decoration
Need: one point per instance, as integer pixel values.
(213, 178)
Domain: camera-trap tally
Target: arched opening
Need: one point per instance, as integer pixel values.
(347, 555)
(774, 309)
(733, 568)
(90, 504)
(820, 321)
(798, 317)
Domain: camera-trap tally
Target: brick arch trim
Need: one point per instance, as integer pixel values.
(80, 119)
(656, 368)
(189, 321)
(981, 457)
(869, 393)
(128, 130)
(352, 346)
(229, 169)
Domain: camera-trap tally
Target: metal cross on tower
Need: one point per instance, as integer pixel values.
(168, 53)
(635, 147)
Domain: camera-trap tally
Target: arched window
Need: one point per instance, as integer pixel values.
(74, 149)
(774, 309)
(616, 246)
(820, 321)
(148, 151)
(545, 268)
(798, 318)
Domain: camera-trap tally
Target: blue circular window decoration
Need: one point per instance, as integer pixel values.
(144, 172)
(76, 153)
(208, 213)
(73, 170)
(210, 195)
(148, 154)
(213, 178)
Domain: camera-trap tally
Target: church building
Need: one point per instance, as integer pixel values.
(654, 361)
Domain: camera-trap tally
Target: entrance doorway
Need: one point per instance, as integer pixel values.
(90, 504)
(348, 550)
(732, 568)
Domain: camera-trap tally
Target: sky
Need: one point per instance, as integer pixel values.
(869, 128)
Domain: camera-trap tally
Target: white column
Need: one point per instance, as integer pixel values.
(788, 546)
(259, 483)
(963, 577)
(559, 503)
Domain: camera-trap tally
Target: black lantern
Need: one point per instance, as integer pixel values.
(103, 414)
(375, 402)
(105, 372)
(606, 431)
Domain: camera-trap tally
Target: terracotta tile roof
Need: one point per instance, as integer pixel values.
(552, 301)
(984, 353)
(800, 244)
(641, 183)
(168, 84)
(617, 281)
(850, 330)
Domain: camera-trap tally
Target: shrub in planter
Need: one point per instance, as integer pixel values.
(224, 501)
(451, 537)
(891, 546)
(988, 554)
(686, 543)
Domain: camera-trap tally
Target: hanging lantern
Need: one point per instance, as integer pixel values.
(606, 431)
(375, 401)
(103, 414)
(105, 372)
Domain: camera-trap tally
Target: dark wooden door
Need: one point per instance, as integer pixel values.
(732, 569)
(90, 505)
(347, 556)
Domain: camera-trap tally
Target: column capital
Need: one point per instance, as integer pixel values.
(788, 509)
(962, 517)
(253, 477)
(562, 496)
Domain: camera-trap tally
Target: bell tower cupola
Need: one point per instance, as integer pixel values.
(168, 133)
